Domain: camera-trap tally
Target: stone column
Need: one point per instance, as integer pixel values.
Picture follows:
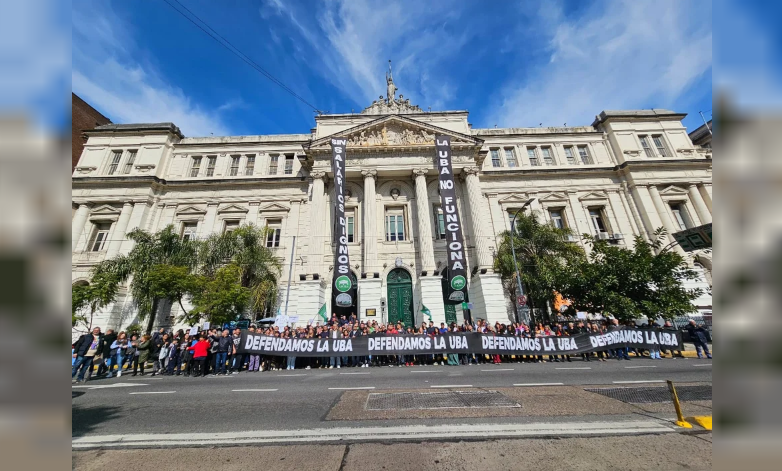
(317, 208)
(118, 234)
(78, 223)
(479, 226)
(370, 221)
(208, 226)
(252, 213)
(136, 221)
(700, 205)
(425, 247)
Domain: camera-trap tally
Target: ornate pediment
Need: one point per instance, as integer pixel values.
(190, 211)
(105, 210)
(593, 196)
(232, 208)
(275, 207)
(395, 131)
(552, 197)
(513, 199)
(673, 190)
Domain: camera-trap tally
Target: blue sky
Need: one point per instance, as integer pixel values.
(510, 63)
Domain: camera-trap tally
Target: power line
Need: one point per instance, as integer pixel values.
(234, 50)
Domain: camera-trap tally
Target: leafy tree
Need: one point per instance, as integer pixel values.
(542, 255)
(92, 296)
(246, 248)
(171, 282)
(219, 298)
(165, 247)
(646, 280)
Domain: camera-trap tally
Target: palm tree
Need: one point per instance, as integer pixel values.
(150, 251)
(245, 247)
(542, 253)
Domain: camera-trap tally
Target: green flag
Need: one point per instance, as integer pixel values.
(322, 313)
(426, 311)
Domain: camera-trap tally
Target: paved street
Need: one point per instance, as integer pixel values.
(319, 399)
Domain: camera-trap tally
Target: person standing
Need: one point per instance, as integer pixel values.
(224, 344)
(120, 346)
(85, 350)
(335, 333)
(200, 350)
(700, 337)
(144, 350)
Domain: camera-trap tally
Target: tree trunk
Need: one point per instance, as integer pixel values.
(152, 316)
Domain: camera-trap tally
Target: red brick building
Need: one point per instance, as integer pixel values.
(83, 117)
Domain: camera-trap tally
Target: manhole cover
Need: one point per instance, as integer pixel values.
(438, 400)
(655, 394)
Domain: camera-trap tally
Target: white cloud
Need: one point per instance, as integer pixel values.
(618, 55)
(352, 42)
(107, 75)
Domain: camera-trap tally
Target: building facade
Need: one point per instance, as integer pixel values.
(626, 174)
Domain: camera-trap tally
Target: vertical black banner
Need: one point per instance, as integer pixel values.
(342, 283)
(457, 275)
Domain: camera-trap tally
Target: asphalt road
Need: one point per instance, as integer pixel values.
(302, 398)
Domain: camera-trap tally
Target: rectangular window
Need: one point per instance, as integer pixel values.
(211, 162)
(570, 156)
(510, 158)
(646, 146)
(129, 162)
(115, 158)
(659, 143)
(350, 222)
(547, 156)
(556, 218)
(249, 168)
(439, 223)
(189, 230)
(495, 158)
(395, 225)
(234, 170)
(680, 216)
(274, 227)
(196, 167)
(99, 237)
(288, 164)
(273, 159)
(230, 226)
(583, 154)
(596, 215)
(532, 153)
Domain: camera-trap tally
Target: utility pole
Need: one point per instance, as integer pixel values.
(515, 264)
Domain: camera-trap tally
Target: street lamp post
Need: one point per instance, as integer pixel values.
(515, 264)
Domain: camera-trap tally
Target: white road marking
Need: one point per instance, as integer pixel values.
(646, 366)
(375, 433)
(355, 373)
(348, 389)
(253, 390)
(441, 371)
(154, 392)
(452, 386)
(108, 386)
(638, 382)
(302, 374)
(705, 364)
(576, 368)
(500, 369)
(539, 384)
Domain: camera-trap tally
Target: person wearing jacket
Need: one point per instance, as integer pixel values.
(699, 337)
(335, 333)
(200, 350)
(107, 353)
(84, 351)
(223, 344)
(144, 349)
(120, 346)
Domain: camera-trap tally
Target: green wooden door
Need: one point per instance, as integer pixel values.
(400, 297)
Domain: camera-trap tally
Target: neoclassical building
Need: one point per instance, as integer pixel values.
(627, 173)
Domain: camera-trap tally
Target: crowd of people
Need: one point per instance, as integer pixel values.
(216, 352)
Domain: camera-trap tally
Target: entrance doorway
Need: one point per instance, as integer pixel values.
(400, 297)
